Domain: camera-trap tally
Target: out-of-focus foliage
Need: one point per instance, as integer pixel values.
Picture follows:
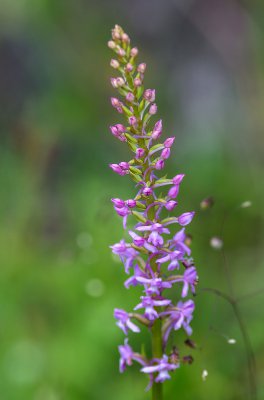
(58, 280)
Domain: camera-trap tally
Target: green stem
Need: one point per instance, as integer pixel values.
(157, 353)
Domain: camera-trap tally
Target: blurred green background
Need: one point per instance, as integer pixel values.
(58, 280)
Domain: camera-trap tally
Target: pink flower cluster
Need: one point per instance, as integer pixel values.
(154, 251)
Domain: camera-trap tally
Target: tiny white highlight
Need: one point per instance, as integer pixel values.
(216, 243)
(246, 204)
(231, 341)
(204, 374)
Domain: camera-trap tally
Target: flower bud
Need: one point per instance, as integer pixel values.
(120, 81)
(134, 52)
(114, 64)
(132, 121)
(130, 97)
(147, 191)
(124, 165)
(115, 102)
(118, 131)
(173, 192)
(170, 205)
(123, 212)
(159, 164)
(129, 67)
(165, 153)
(118, 202)
(149, 95)
(153, 109)
(114, 131)
(121, 128)
(169, 142)
(131, 203)
(137, 82)
(111, 44)
(116, 168)
(177, 179)
(125, 38)
(142, 68)
(140, 152)
(116, 33)
(121, 52)
(114, 82)
(157, 131)
(186, 218)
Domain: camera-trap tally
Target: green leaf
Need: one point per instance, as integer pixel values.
(157, 146)
(127, 111)
(130, 138)
(139, 216)
(135, 178)
(135, 170)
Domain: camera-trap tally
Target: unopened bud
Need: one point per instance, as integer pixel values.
(173, 192)
(134, 52)
(140, 152)
(165, 153)
(153, 109)
(131, 203)
(118, 131)
(116, 34)
(130, 97)
(177, 179)
(137, 82)
(116, 168)
(147, 191)
(118, 202)
(142, 68)
(170, 205)
(111, 44)
(157, 131)
(121, 52)
(169, 142)
(114, 64)
(159, 164)
(125, 38)
(124, 165)
(115, 102)
(120, 82)
(114, 82)
(129, 67)
(132, 121)
(149, 95)
(186, 218)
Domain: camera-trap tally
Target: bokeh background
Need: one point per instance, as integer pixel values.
(58, 280)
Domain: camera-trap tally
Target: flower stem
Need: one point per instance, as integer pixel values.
(157, 353)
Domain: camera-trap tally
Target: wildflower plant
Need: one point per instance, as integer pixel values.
(156, 256)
